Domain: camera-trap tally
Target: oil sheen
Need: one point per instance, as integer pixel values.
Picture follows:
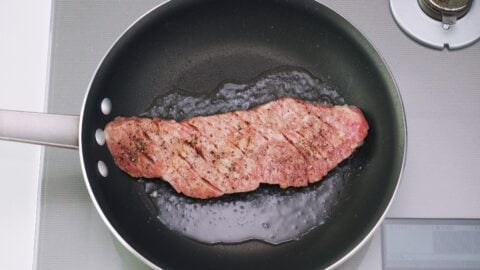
(268, 214)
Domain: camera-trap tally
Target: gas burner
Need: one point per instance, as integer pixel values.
(453, 24)
(446, 11)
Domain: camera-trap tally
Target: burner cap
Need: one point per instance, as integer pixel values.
(434, 22)
(438, 9)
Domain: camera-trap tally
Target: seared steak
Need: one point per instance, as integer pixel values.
(286, 142)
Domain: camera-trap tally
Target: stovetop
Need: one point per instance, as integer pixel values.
(440, 90)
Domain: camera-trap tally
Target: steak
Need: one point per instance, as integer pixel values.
(286, 142)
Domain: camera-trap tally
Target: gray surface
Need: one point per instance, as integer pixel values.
(441, 94)
(431, 244)
(71, 234)
(440, 90)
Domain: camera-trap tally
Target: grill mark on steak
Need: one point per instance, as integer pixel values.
(241, 119)
(208, 173)
(279, 129)
(187, 123)
(139, 150)
(331, 128)
(322, 121)
(220, 164)
(236, 147)
(337, 141)
(146, 135)
(147, 157)
(252, 127)
(193, 143)
(257, 150)
(224, 138)
(212, 174)
(319, 151)
(326, 144)
(172, 172)
(294, 146)
(248, 128)
(193, 185)
(209, 139)
(338, 123)
(198, 150)
(178, 181)
(309, 145)
(204, 180)
(287, 173)
(246, 122)
(139, 146)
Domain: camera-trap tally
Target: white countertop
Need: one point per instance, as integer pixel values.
(24, 35)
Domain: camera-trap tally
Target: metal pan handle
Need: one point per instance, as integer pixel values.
(39, 128)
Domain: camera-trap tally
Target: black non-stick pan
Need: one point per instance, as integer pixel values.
(195, 45)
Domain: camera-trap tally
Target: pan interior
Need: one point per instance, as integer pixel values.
(270, 213)
(194, 45)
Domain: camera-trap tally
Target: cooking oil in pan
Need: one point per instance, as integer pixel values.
(269, 214)
(233, 96)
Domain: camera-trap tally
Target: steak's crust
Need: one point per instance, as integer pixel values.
(286, 142)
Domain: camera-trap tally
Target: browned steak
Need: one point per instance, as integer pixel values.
(286, 142)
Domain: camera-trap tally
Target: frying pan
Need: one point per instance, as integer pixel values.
(193, 44)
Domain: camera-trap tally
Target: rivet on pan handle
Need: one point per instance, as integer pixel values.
(39, 128)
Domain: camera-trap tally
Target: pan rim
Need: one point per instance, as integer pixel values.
(335, 264)
(80, 145)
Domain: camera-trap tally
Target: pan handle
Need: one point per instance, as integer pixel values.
(40, 128)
